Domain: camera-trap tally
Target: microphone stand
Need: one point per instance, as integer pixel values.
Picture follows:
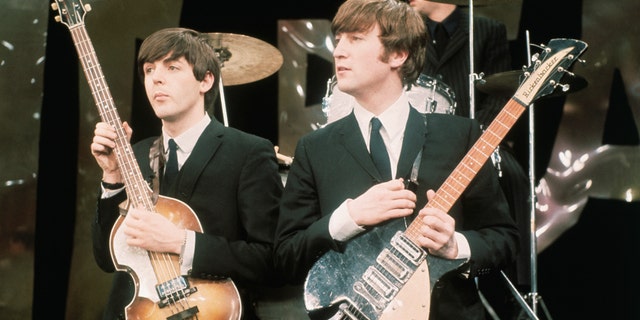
(533, 294)
(473, 77)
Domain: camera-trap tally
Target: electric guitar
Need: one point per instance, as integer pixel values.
(384, 273)
(161, 292)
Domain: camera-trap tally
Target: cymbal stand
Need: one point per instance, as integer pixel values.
(472, 75)
(223, 102)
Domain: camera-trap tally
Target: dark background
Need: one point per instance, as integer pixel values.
(586, 273)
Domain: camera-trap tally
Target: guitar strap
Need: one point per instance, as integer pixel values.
(412, 182)
(156, 160)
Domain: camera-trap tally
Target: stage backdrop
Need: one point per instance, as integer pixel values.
(585, 164)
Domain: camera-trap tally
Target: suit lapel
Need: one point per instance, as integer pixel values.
(205, 148)
(458, 40)
(414, 137)
(352, 140)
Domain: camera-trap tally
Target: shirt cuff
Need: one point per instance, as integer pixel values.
(464, 251)
(189, 252)
(341, 225)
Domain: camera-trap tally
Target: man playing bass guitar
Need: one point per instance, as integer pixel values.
(228, 178)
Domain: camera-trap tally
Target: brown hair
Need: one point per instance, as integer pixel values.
(401, 29)
(194, 46)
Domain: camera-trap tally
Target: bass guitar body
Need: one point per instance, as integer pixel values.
(161, 292)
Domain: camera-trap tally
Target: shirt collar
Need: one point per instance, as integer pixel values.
(394, 118)
(450, 23)
(187, 140)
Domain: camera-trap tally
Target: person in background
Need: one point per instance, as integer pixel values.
(336, 193)
(447, 61)
(229, 178)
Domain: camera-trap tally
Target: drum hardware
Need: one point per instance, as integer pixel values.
(335, 103)
(284, 164)
(326, 100)
(430, 95)
(243, 59)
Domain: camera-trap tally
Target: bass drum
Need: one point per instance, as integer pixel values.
(429, 95)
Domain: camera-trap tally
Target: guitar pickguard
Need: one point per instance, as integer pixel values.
(386, 274)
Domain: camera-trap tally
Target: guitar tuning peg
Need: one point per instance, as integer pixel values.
(87, 7)
(563, 87)
(561, 69)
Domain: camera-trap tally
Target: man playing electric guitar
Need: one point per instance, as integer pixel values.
(336, 194)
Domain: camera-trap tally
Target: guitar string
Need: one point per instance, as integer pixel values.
(109, 114)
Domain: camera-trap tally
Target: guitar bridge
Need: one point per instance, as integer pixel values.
(173, 291)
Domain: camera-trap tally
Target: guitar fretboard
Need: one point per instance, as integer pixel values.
(450, 191)
(138, 190)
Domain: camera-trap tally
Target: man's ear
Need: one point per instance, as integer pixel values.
(396, 59)
(207, 82)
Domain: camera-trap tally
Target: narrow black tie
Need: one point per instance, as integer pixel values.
(171, 169)
(441, 38)
(379, 151)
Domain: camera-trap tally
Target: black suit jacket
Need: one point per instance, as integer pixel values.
(491, 55)
(333, 164)
(231, 182)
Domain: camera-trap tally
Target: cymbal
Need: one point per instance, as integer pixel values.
(244, 59)
(475, 2)
(506, 84)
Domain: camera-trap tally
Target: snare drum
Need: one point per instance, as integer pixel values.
(428, 95)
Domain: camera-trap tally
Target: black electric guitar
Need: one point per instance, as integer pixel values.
(384, 273)
(161, 292)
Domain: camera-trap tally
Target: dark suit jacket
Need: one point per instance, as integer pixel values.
(491, 55)
(231, 182)
(332, 164)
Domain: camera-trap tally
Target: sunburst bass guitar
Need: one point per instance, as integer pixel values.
(384, 273)
(161, 292)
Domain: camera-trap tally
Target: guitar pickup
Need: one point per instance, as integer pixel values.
(393, 265)
(173, 290)
(376, 289)
(407, 248)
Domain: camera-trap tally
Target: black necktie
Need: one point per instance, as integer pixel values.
(379, 151)
(171, 169)
(441, 38)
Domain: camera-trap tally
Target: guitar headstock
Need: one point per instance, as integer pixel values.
(548, 67)
(70, 12)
